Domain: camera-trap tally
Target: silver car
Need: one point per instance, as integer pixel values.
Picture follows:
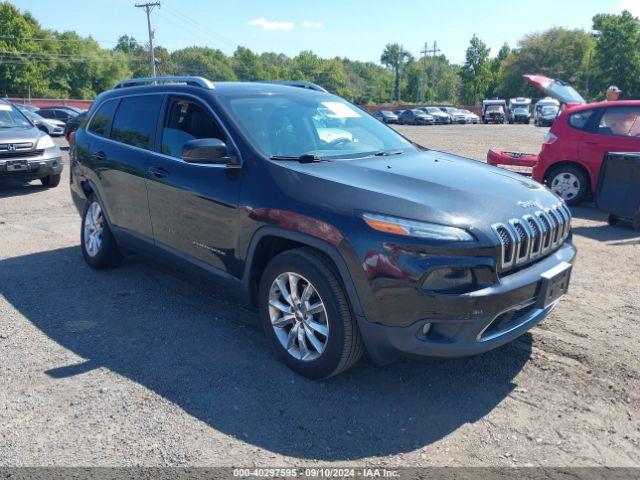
(26, 153)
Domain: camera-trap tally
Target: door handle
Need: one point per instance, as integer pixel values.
(99, 156)
(158, 172)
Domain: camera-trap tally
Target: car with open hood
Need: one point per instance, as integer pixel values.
(366, 241)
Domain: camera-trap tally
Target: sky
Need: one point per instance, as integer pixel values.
(357, 29)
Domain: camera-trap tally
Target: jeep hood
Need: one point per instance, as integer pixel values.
(429, 186)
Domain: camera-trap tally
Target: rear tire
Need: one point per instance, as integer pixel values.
(99, 247)
(568, 182)
(51, 181)
(341, 347)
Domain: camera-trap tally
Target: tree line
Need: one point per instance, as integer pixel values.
(45, 63)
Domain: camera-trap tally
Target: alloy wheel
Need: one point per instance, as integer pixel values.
(298, 316)
(93, 227)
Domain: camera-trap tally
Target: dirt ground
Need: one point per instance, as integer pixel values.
(144, 365)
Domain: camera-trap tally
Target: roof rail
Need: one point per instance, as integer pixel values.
(296, 83)
(193, 81)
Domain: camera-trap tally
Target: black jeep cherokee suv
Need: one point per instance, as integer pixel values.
(343, 233)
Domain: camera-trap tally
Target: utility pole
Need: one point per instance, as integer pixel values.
(148, 8)
(434, 50)
(423, 72)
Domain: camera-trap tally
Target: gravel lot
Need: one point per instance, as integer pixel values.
(144, 365)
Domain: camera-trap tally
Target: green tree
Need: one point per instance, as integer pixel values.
(395, 58)
(202, 61)
(617, 53)
(247, 65)
(556, 53)
(476, 72)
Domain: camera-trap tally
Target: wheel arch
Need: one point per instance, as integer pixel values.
(269, 241)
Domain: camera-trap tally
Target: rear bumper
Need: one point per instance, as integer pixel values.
(479, 321)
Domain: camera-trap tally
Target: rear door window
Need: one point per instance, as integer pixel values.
(136, 120)
(102, 119)
(620, 121)
(186, 120)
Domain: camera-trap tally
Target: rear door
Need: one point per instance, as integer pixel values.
(120, 157)
(615, 129)
(194, 207)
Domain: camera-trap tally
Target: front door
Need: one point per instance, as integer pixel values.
(194, 207)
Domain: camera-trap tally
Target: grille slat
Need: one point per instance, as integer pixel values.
(527, 238)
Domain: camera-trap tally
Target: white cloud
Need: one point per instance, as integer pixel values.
(309, 24)
(632, 5)
(270, 25)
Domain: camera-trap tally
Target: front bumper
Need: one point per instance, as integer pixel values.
(48, 163)
(472, 323)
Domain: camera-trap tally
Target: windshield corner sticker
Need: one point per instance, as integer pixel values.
(340, 110)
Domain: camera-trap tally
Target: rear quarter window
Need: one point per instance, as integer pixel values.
(102, 119)
(579, 120)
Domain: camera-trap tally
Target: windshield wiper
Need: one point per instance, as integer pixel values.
(305, 158)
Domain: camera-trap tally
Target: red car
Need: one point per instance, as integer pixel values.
(574, 149)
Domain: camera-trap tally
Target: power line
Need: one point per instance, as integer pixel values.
(199, 25)
(62, 40)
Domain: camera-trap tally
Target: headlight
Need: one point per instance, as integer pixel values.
(411, 228)
(45, 142)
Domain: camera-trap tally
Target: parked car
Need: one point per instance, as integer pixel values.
(439, 117)
(415, 117)
(456, 115)
(493, 111)
(57, 113)
(72, 125)
(545, 112)
(26, 153)
(397, 113)
(373, 243)
(578, 141)
(519, 110)
(386, 116)
(50, 126)
(471, 117)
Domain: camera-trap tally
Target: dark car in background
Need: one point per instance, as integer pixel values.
(343, 243)
(386, 116)
(64, 114)
(72, 125)
(415, 117)
(26, 153)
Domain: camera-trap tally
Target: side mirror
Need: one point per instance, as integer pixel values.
(206, 150)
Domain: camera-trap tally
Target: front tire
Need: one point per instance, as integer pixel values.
(306, 314)
(98, 245)
(568, 182)
(51, 181)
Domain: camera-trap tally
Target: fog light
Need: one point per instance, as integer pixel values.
(449, 279)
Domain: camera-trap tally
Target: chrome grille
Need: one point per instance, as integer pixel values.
(525, 239)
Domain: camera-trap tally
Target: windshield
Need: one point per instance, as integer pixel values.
(292, 125)
(434, 110)
(550, 110)
(520, 105)
(495, 108)
(12, 117)
(33, 116)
